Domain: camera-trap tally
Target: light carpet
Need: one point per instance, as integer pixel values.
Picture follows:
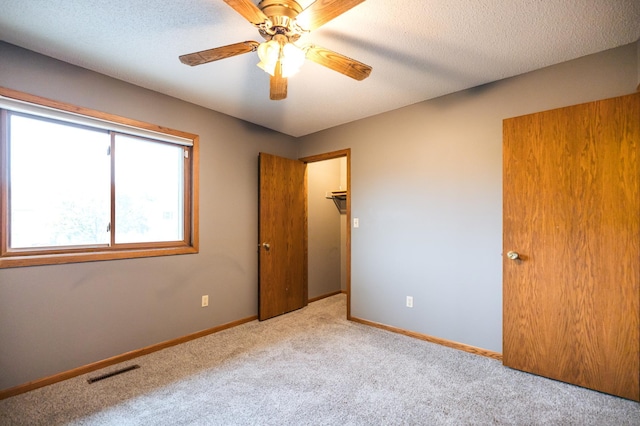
(313, 367)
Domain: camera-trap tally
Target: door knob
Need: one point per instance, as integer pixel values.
(266, 246)
(513, 255)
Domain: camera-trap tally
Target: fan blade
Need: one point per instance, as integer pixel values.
(249, 10)
(337, 62)
(202, 57)
(322, 11)
(278, 84)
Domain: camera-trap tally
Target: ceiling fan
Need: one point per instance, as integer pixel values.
(282, 23)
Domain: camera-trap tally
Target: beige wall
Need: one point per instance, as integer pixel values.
(324, 241)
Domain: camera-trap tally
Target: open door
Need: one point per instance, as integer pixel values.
(572, 245)
(282, 236)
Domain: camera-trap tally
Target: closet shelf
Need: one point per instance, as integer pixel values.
(340, 200)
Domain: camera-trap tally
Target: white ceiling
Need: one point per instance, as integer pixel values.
(419, 49)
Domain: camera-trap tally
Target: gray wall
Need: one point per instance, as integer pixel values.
(426, 184)
(324, 242)
(55, 318)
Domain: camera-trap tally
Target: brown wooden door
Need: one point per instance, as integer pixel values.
(572, 212)
(282, 236)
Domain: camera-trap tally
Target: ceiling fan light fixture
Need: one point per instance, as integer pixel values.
(280, 49)
(269, 53)
(291, 59)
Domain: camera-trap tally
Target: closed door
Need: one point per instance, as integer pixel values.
(572, 225)
(282, 243)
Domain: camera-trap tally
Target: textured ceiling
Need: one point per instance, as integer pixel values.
(419, 49)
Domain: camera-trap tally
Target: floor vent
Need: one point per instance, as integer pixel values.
(113, 373)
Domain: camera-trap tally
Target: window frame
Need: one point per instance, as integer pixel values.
(60, 255)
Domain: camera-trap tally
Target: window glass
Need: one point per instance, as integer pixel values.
(149, 179)
(59, 184)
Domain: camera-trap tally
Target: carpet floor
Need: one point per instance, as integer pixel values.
(313, 367)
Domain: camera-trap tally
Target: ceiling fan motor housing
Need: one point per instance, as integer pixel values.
(282, 14)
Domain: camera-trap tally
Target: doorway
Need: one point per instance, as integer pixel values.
(329, 216)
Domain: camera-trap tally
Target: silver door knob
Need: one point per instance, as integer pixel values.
(266, 246)
(513, 255)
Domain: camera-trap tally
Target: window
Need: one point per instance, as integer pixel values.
(78, 185)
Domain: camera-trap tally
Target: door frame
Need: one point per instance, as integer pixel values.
(330, 156)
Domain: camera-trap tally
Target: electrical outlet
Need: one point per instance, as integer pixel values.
(205, 300)
(409, 301)
(356, 222)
